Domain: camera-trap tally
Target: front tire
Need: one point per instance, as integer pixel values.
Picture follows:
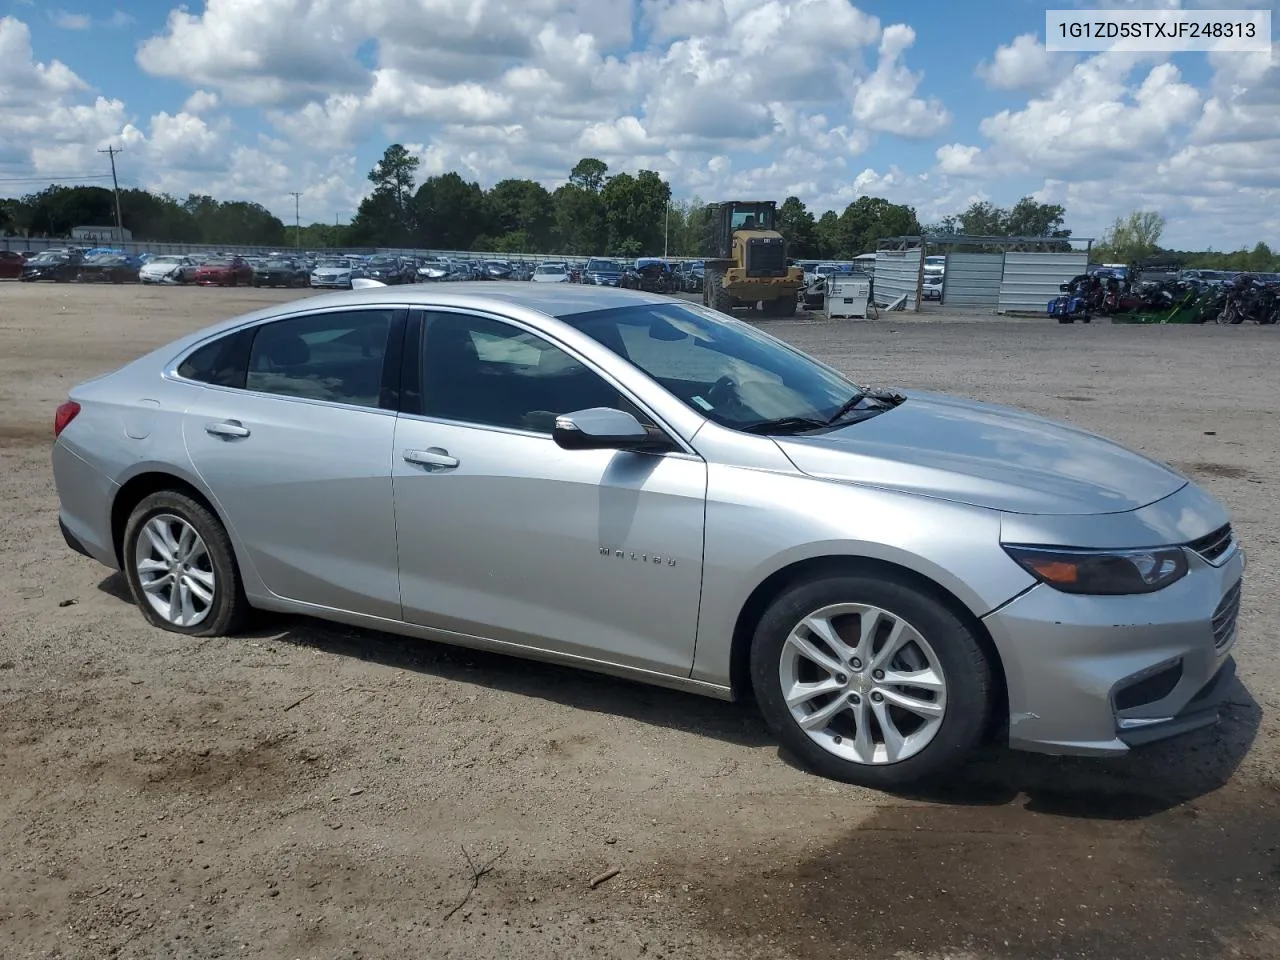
(871, 681)
(718, 298)
(180, 566)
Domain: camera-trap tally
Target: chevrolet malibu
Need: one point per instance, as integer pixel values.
(644, 487)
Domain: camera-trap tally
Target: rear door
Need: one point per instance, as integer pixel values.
(293, 435)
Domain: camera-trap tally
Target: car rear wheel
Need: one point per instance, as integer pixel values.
(870, 681)
(180, 566)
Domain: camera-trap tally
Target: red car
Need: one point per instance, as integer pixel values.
(11, 264)
(224, 272)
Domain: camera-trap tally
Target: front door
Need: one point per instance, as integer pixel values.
(298, 457)
(504, 535)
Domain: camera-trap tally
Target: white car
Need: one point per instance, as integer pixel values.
(335, 272)
(551, 273)
(170, 268)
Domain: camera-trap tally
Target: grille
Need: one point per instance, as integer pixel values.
(1224, 618)
(1214, 545)
(766, 257)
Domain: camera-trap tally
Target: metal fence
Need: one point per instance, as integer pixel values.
(1031, 280)
(972, 280)
(899, 273)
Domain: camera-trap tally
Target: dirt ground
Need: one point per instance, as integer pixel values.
(313, 791)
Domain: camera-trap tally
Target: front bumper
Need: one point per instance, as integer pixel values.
(328, 282)
(1098, 675)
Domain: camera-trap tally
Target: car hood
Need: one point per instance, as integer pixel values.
(985, 455)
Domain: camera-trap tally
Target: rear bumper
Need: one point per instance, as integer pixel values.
(85, 496)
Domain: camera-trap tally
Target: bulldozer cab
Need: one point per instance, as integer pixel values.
(740, 215)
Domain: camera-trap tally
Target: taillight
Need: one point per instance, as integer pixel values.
(65, 413)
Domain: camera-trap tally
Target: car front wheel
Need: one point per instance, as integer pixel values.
(180, 566)
(870, 681)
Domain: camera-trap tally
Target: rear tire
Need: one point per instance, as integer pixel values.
(211, 568)
(925, 641)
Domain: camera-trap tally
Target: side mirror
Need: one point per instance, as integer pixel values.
(599, 428)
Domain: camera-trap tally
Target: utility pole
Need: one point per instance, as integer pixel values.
(297, 220)
(111, 151)
(666, 221)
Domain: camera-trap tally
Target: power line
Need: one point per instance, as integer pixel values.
(111, 152)
(87, 176)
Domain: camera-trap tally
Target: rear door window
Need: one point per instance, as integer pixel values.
(336, 357)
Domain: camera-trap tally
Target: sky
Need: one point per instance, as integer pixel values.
(934, 103)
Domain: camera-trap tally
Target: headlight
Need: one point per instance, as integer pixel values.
(1102, 572)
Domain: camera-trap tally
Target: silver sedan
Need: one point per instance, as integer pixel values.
(645, 487)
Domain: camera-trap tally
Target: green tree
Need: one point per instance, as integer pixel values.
(635, 211)
(589, 174)
(516, 206)
(870, 219)
(797, 225)
(827, 235)
(448, 212)
(1028, 218)
(984, 219)
(384, 218)
(1133, 237)
(1261, 259)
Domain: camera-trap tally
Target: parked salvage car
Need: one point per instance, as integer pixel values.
(280, 272)
(551, 273)
(170, 268)
(60, 266)
(225, 272)
(603, 273)
(676, 497)
(652, 276)
(335, 272)
(390, 270)
(11, 264)
(108, 268)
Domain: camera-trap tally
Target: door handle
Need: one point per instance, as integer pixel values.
(431, 457)
(227, 428)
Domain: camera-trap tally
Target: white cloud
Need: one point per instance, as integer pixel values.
(202, 101)
(1025, 64)
(885, 100)
(71, 21)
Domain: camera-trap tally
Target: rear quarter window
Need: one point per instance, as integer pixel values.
(222, 363)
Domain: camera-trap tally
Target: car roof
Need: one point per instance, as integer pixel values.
(554, 300)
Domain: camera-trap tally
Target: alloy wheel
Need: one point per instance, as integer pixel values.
(863, 683)
(175, 570)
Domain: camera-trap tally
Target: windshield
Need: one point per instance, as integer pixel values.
(278, 265)
(603, 266)
(550, 268)
(748, 216)
(217, 263)
(334, 264)
(49, 258)
(725, 369)
(382, 263)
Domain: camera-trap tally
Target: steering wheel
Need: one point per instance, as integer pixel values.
(723, 391)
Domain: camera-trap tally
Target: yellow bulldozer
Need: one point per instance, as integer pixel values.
(748, 261)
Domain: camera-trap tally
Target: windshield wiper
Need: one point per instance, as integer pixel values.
(785, 425)
(846, 407)
(888, 398)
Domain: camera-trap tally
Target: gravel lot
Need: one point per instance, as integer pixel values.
(315, 791)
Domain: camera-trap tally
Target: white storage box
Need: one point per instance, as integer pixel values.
(847, 296)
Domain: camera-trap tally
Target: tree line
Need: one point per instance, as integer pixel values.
(593, 212)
